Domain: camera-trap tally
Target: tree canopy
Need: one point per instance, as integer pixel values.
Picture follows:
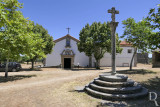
(19, 36)
(42, 43)
(95, 40)
(154, 19)
(137, 33)
(14, 30)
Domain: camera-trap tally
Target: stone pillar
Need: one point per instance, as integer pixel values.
(113, 26)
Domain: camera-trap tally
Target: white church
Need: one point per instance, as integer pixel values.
(66, 55)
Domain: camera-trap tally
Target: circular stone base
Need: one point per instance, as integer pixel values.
(128, 83)
(113, 78)
(115, 87)
(107, 96)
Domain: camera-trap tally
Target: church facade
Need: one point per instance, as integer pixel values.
(66, 55)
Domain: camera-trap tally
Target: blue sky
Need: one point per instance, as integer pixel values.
(57, 15)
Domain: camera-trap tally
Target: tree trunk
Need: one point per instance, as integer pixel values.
(90, 61)
(133, 58)
(97, 64)
(6, 69)
(32, 64)
(146, 58)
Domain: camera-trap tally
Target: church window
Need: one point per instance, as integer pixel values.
(67, 42)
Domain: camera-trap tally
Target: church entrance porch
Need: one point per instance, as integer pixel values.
(67, 63)
(67, 59)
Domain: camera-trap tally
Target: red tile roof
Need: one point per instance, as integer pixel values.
(124, 43)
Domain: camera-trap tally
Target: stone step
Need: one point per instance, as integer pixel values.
(107, 96)
(122, 90)
(114, 84)
(113, 78)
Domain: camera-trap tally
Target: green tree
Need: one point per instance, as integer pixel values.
(154, 19)
(5, 6)
(14, 31)
(96, 39)
(42, 44)
(137, 34)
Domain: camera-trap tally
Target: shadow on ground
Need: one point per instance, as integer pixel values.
(14, 78)
(151, 84)
(85, 69)
(136, 71)
(29, 69)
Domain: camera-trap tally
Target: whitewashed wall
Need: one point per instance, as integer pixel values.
(122, 59)
(54, 59)
(80, 58)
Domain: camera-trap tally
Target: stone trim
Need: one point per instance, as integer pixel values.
(67, 56)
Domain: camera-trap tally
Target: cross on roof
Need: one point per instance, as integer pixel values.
(68, 29)
(113, 12)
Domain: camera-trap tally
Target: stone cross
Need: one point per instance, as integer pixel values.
(113, 12)
(68, 29)
(113, 26)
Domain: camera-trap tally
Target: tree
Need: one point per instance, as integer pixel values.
(154, 19)
(137, 34)
(42, 44)
(24, 58)
(14, 31)
(96, 39)
(83, 46)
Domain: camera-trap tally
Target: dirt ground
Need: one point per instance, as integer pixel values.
(55, 87)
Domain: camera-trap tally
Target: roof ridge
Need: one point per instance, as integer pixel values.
(59, 39)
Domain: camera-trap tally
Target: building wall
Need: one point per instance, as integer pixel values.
(80, 58)
(122, 59)
(54, 59)
(155, 59)
(142, 58)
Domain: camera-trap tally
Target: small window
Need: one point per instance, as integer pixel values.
(68, 42)
(129, 50)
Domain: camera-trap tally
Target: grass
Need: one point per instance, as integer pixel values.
(136, 71)
(74, 98)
